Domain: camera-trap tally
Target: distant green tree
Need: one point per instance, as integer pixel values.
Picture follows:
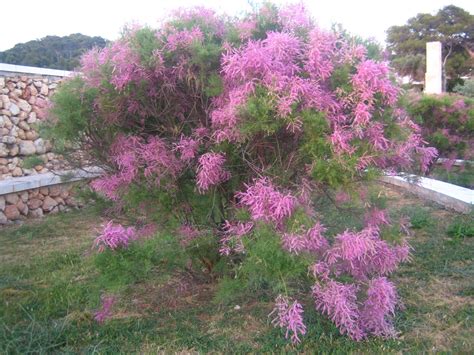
(466, 89)
(52, 51)
(452, 26)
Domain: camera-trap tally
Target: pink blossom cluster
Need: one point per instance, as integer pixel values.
(295, 17)
(289, 317)
(123, 155)
(183, 38)
(295, 69)
(246, 27)
(312, 240)
(210, 171)
(205, 17)
(187, 148)
(123, 152)
(131, 155)
(379, 308)
(371, 78)
(321, 54)
(108, 186)
(121, 60)
(367, 259)
(159, 160)
(340, 303)
(272, 63)
(231, 240)
(114, 237)
(363, 254)
(376, 217)
(266, 203)
(427, 156)
(296, 74)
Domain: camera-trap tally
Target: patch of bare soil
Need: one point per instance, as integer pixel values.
(181, 291)
(399, 198)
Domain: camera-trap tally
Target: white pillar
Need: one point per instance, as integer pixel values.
(434, 68)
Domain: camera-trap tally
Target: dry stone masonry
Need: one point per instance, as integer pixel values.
(28, 189)
(37, 195)
(23, 106)
(35, 203)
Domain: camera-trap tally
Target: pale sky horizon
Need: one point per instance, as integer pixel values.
(37, 19)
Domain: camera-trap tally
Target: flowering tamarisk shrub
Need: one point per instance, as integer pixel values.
(226, 125)
(447, 122)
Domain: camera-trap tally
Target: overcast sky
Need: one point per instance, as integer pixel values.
(26, 20)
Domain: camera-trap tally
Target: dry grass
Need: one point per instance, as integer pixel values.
(446, 324)
(39, 238)
(180, 291)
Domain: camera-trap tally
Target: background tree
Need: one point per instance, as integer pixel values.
(452, 26)
(52, 51)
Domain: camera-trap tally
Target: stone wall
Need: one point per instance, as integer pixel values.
(23, 106)
(35, 203)
(38, 195)
(28, 188)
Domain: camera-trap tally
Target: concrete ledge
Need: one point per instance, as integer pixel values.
(11, 69)
(451, 196)
(41, 180)
(457, 162)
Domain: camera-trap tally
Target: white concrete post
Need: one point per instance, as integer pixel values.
(434, 68)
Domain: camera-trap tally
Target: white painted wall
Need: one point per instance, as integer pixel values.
(434, 68)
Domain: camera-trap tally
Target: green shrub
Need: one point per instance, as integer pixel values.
(440, 141)
(419, 217)
(462, 227)
(447, 122)
(266, 270)
(466, 88)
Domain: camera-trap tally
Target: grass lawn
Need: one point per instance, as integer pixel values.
(51, 281)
